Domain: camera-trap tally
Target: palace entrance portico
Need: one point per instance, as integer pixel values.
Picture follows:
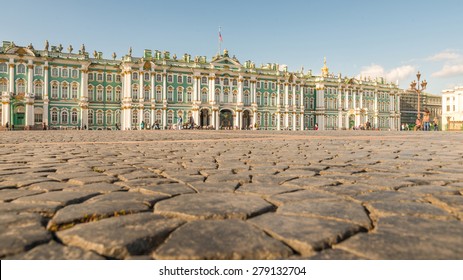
(226, 119)
(204, 118)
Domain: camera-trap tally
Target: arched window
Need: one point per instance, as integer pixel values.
(170, 94)
(117, 98)
(109, 93)
(21, 69)
(99, 93)
(246, 100)
(180, 94)
(226, 82)
(54, 116)
(258, 97)
(266, 99)
(64, 90)
(158, 93)
(146, 93)
(55, 72)
(135, 76)
(74, 118)
(99, 117)
(189, 94)
(273, 100)
(135, 118)
(118, 116)
(204, 80)
(3, 85)
(135, 92)
(146, 118)
(38, 89)
(3, 68)
(290, 100)
(246, 83)
(282, 98)
(20, 86)
(159, 116)
(235, 96)
(109, 117)
(170, 117)
(90, 117)
(74, 91)
(38, 115)
(147, 76)
(204, 95)
(64, 117)
(91, 93)
(225, 95)
(217, 95)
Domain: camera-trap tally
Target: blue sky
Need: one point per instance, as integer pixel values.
(393, 39)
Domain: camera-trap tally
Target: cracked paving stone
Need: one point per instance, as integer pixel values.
(20, 232)
(95, 188)
(56, 198)
(409, 238)
(407, 208)
(137, 175)
(393, 196)
(26, 182)
(265, 189)
(92, 180)
(219, 240)
(12, 194)
(120, 237)
(48, 186)
(56, 251)
(45, 209)
(305, 235)
(430, 190)
(335, 209)
(312, 182)
(215, 187)
(145, 182)
(90, 212)
(299, 195)
(212, 206)
(70, 175)
(168, 189)
(148, 199)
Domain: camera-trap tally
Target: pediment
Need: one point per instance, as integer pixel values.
(20, 51)
(226, 61)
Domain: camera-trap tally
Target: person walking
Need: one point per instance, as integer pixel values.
(7, 126)
(180, 123)
(436, 124)
(417, 124)
(426, 120)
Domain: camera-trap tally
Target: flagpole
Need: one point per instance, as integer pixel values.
(220, 41)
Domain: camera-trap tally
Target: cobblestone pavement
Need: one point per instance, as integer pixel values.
(231, 195)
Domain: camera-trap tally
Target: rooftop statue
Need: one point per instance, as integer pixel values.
(46, 45)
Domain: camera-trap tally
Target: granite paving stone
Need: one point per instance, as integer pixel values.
(56, 198)
(212, 206)
(56, 251)
(122, 236)
(231, 239)
(303, 234)
(7, 195)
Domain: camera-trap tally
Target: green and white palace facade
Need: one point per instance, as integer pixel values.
(66, 90)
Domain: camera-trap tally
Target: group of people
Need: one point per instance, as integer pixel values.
(425, 124)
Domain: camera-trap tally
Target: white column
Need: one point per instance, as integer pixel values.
(254, 118)
(152, 99)
(164, 87)
(212, 90)
(83, 97)
(11, 76)
(45, 93)
(29, 99)
(141, 92)
(375, 118)
(6, 114)
(217, 120)
(195, 90)
(286, 120)
(301, 120)
(253, 92)
(164, 118)
(30, 77)
(239, 98)
(339, 109)
(320, 117)
(213, 119)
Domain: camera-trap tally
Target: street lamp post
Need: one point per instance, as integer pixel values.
(415, 86)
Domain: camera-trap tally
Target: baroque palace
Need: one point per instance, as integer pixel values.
(66, 89)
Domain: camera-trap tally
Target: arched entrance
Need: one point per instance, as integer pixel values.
(226, 119)
(19, 118)
(204, 119)
(351, 121)
(246, 119)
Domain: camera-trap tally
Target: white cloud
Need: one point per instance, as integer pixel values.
(398, 73)
(445, 55)
(449, 71)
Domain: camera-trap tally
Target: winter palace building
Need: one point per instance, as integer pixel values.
(66, 89)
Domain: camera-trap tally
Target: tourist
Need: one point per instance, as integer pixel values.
(142, 125)
(417, 124)
(180, 122)
(315, 127)
(426, 124)
(7, 126)
(436, 124)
